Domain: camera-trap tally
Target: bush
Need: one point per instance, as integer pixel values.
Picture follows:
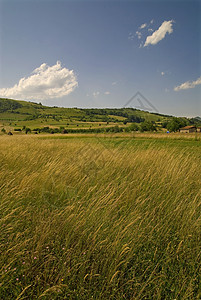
(3, 130)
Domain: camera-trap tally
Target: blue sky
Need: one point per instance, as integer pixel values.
(96, 53)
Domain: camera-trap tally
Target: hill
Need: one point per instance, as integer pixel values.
(16, 115)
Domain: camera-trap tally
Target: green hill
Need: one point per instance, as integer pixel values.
(15, 115)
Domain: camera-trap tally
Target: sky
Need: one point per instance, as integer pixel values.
(140, 54)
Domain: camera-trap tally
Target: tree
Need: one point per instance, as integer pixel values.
(3, 130)
(134, 127)
(147, 126)
(27, 130)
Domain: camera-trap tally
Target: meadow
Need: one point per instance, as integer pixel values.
(100, 217)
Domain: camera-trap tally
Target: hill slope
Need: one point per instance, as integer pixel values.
(16, 114)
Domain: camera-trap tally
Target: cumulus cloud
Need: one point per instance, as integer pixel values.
(160, 33)
(162, 73)
(188, 85)
(45, 82)
(107, 93)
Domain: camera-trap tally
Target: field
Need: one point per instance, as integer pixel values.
(100, 217)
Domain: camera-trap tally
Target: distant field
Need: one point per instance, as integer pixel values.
(100, 216)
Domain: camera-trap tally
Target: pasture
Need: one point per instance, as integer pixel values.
(100, 217)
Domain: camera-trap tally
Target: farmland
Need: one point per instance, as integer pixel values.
(100, 216)
(26, 117)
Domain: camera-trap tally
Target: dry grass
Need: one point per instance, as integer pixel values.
(81, 220)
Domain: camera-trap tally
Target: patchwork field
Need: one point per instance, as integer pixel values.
(100, 217)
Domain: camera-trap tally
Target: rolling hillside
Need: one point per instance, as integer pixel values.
(15, 115)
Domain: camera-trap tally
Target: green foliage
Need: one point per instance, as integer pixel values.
(27, 130)
(8, 105)
(147, 126)
(176, 123)
(134, 127)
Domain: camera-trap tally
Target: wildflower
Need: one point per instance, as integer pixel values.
(17, 279)
(5, 270)
(63, 248)
(35, 257)
(23, 262)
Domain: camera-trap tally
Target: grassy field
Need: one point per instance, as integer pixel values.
(100, 217)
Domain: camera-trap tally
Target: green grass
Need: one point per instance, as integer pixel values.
(100, 217)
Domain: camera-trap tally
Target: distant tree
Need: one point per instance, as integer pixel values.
(27, 130)
(176, 123)
(3, 130)
(134, 127)
(147, 126)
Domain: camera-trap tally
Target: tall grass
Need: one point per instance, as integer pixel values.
(81, 220)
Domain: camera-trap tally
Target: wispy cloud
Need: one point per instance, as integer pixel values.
(107, 93)
(114, 82)
(45, 82)
(139, 34)
(162, 73)
(131, 36)
(143, 26)
(188, 85)
(160, 33)
(95, 94)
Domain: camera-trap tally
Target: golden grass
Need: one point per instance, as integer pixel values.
(81, 219)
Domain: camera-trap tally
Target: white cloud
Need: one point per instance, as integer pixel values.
(152, 21)
(95, 94)
(45, 82)
(143, 26)
(114, 82)
(139, 34)
(188, 85)
(160, 33)
(107, 93)
(131, 36)
(150, 29)
(141, 45)
(162, 73)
